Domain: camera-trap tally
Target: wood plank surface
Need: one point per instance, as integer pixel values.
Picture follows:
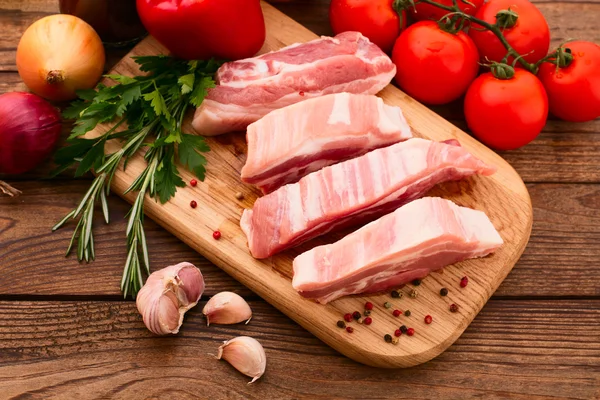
(560, 260)
(67, 350)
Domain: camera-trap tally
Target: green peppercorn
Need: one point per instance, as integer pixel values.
(407, 313)
(387, 304)
(416, 282)
(443, 292)
(388, 338)
(403, 329)
(366, 313)
(341, 324)
(413, 294)
(396, 294)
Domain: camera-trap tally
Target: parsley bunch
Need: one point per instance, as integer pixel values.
(140, 109)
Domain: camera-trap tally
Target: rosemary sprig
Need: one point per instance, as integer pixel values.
(152, 106)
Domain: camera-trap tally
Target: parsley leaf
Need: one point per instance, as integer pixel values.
(201, 90)
(167, 179)
(189, 154)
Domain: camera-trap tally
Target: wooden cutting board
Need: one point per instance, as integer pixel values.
(503, 197)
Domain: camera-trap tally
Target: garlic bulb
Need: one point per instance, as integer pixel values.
(246, 355)
(167, 295)
(227, 308)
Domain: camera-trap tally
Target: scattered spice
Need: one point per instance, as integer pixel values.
(403, 329)
(464, 282)
(193, 204)
(453, 308)
(396, 294)
(443, 292)
(387, 304)
(413, 294)
(368, 305)
(368, 321)
(397, 333)
(216, 235)
(388, 338)
(341, 324)
(239, 195)
(428, 319)
(349, 329)
(416, 282)
(410, 331)
(193, 182)
(394, 340)
(367, 313)
(360, 320)
(301, 93)
(348, 317)
(407, 313)
(397, 313)
(356, 315)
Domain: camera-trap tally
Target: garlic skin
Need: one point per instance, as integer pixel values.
(167, 295)
(246, 355)
(226, 308)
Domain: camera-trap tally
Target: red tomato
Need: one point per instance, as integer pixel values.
(506, 114)
(191, 29)
(574, 90)
(434, 66)
(423, 11)
(376, 19)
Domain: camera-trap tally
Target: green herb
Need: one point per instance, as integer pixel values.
(146, 113)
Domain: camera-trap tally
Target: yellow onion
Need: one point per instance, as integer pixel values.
(58, 55)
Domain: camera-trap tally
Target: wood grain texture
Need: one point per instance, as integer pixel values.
(503, 197)
(84, 350)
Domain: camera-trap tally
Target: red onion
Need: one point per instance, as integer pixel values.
(29, 130)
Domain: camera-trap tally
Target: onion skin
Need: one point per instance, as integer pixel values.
(29, 130)
(58, 55)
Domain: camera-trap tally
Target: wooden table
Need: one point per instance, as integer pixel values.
(65, 331)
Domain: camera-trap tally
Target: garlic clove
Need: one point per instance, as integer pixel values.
(246, 355)
(227, 308)
(167, 295)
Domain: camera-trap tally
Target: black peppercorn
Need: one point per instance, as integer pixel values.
(341, 324)
(403, 329)
(407, 313)
(443, 292)
(356, 315)
(395, 294)
(388, 338)
(416, 282)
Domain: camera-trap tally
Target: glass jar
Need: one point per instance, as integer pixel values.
(116, 21)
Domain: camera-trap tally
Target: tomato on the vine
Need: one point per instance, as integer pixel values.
(506, 113)
(423, 11)
(528, 34)
(434, 66)
(376, 19)
(574, 89)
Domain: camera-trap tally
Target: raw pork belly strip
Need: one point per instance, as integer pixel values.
(251, 88)
(296, 140)
(420, 237)
(354, 192)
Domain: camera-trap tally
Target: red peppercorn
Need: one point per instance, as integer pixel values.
(348, 317)
(216, 235)
(193, 182)
(301, 93)
(464, 281)
(368, 305)
(367, 321)
(397, 313)
(410, 332)
(428, 319)
(193, 204)
(397, 333)
(453, 308)
(349, 329)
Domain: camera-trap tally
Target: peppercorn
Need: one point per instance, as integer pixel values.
(388, 338)
(216, 235)
(453, 308)
(396, 294)
(394, 340)
(410, 332)
(416, 282)
(387, 304)
(239, 195)
(397, 332)
(428, 319)
(348, 317)
(367, 313)
(397, 313)
(356, 315)
(464, 282)
(407, 313)
(413, 294)
(403, 329)
(443, 292)
(349, 329)
(193, 204)
(360, 320)
(368, 306)
(341, 324)
(193, 182)
(368, 321)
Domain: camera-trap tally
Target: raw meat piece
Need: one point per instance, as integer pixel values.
(251, 88)
(353, 192)
(291, 142)
(420, 237)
